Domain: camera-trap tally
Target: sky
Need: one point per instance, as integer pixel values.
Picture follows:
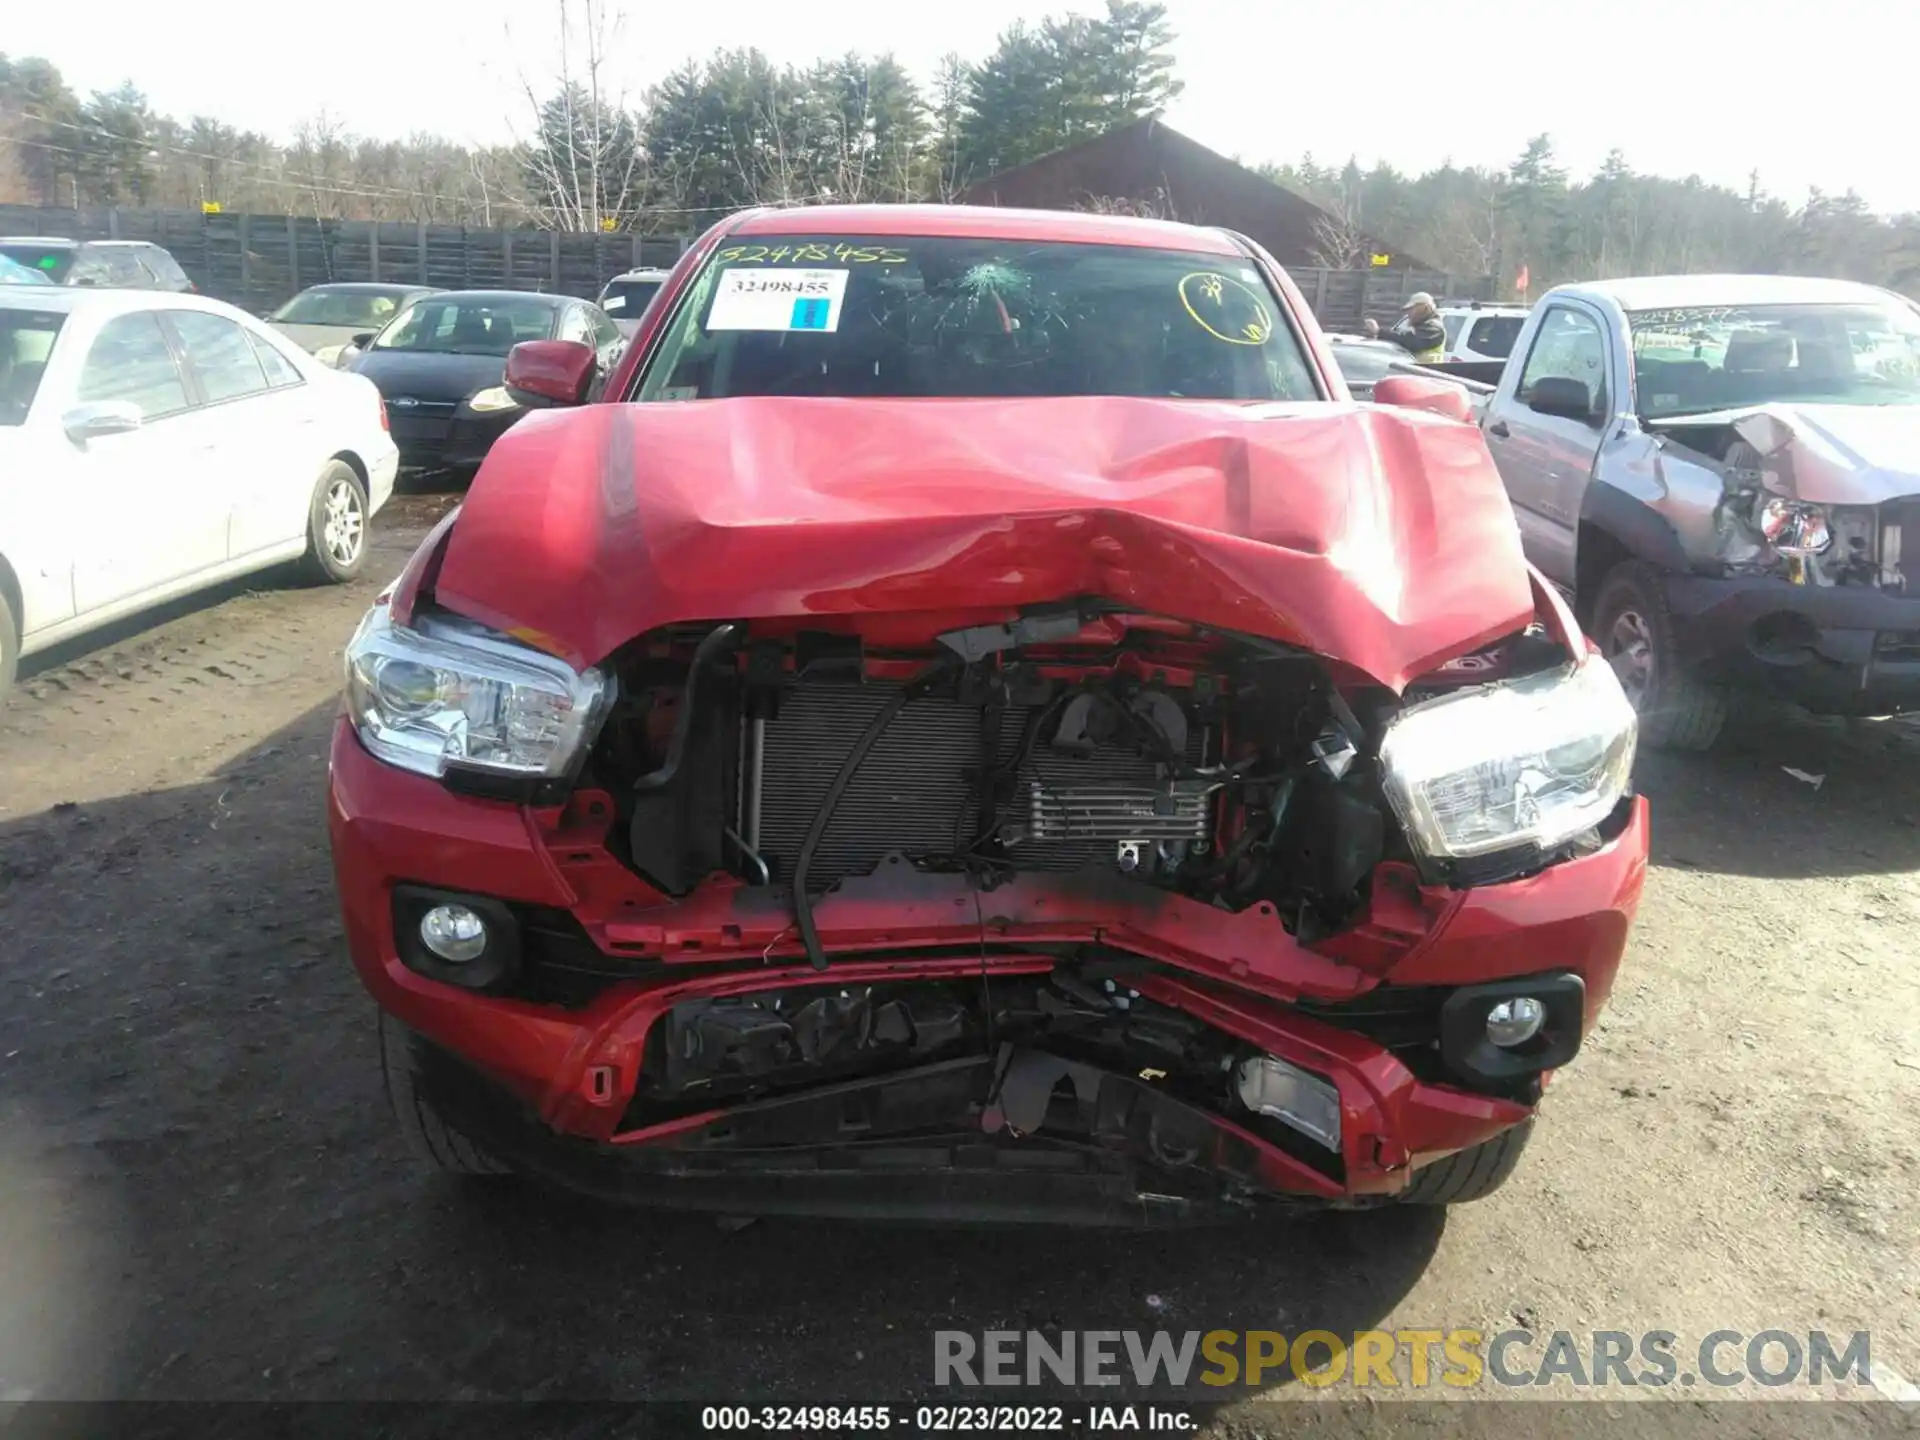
(1808, 92)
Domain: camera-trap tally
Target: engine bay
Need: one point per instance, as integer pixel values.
(1222, 768)
(1229, 769)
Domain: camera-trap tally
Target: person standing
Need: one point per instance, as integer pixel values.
(1419, 330)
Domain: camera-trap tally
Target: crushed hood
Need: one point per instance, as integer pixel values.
(1379, 538)
(1838, 454)
(1832, 454)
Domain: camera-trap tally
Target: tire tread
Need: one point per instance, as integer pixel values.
(1470, 1174)
(426, 1132)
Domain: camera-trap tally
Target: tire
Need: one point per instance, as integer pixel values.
(1635, 632)
(336, 526)
(427, 1133)
(1471, 1174)
(9, 647)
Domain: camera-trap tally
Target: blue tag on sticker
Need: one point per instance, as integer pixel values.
(811, 314)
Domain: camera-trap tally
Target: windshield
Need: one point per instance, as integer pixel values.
(469, 326)
(851, 316)
(26, 339)
(628, 299)
(1696, 360)
(52, 261)
(357, 309)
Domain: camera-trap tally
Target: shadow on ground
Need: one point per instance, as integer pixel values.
(1737, 810)
(199, 1139)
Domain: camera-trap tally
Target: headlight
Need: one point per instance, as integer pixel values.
(450, 694)
(494, 397)
(1793, 528)
(1521, 762)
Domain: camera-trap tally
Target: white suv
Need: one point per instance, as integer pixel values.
(626, 297)
(1478, 330)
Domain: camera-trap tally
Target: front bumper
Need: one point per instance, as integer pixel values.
(1836, 649)
(564, 1079)
(459, 441)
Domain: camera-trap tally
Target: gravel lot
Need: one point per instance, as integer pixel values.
(204, 1198)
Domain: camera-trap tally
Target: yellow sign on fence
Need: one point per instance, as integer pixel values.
(209, 207)
(1379, 260)
(610, 224)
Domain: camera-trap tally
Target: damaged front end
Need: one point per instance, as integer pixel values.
(1172, 917)
(1796, 502)
(1798, 526)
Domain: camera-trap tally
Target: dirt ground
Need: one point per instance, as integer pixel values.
(202, 1196)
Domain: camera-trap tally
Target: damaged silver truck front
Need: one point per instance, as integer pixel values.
(1724, 471)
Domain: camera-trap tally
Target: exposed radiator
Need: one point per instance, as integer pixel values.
(915, 791)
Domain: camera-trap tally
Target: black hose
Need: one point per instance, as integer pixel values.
(802, 903)
(716, 639)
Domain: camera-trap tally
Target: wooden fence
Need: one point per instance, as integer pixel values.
(258, 261)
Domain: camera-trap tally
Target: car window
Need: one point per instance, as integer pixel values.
(1569, 346)
(221, 356)
(52, 261)
(605, 332)
(1493, 335)
(358, 309)
(89, 268)
(1453, 325)
(968, 316)
(628, 298)
(166, 269)
(26, 340)
(124, 270)
(1366, 364)
(280, 370)
(575, 326)
(130, 361)
(467, 325)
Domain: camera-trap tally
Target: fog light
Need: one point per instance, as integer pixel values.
(1270, 1086)
(1516, 1021)
(454, 933)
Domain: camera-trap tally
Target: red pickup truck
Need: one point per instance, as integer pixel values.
(976, 723)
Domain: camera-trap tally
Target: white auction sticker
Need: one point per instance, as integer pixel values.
(765, 298)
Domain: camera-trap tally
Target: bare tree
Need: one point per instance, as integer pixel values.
(583, 161)
(1337, 242)
(318, 160)
(1157, 206)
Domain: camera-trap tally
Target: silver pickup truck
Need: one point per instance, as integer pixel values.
(1721, 471)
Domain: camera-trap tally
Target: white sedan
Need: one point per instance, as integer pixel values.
(152, 444)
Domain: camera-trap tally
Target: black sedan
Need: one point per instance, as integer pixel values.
(1364, 362)
(441, 362)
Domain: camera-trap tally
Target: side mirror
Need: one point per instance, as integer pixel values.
(106, 417)
(1567, 399)
(363, 339)
(557, 371)
(1417, 392)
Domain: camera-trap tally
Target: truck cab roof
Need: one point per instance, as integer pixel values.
(1668, 292)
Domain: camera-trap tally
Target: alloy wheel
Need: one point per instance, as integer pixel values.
(344, 530)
